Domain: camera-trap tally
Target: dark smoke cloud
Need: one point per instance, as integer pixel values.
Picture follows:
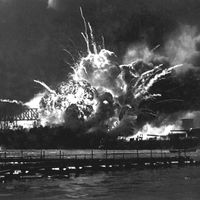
(73, 118)
(34, 32)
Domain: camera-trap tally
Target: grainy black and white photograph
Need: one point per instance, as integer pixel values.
(99, 99)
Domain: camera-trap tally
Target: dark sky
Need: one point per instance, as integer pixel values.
(33, 34)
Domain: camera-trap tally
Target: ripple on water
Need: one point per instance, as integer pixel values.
(161, 184)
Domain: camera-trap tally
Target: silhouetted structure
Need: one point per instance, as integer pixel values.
(6, 120)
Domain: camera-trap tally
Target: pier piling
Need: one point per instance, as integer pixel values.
(59, 164)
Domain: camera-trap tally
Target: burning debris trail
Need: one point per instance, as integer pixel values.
(85, 35)
(45, 86)
(12, 101)
(148, 79)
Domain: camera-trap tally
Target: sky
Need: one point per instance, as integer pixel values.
(34, 34)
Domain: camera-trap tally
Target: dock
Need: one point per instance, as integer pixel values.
(23, 164)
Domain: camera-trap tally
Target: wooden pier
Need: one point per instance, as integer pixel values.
(22, 164)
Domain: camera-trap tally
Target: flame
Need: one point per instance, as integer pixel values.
(149, 131)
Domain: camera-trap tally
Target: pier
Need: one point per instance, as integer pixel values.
(46, 163)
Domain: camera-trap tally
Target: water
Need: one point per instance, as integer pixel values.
(147, 184)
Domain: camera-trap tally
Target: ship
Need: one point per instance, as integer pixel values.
(185, 139)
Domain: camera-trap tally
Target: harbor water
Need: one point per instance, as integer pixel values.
(139, 184)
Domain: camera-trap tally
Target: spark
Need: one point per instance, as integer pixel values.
(155, 48)
(67, 51)
(85, 35)
(92, 39)
(103, 42)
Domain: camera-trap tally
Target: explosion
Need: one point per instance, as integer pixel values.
(101, 93)
(54, 104)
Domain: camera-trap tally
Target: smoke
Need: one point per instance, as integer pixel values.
(126, 127)
(52, 4)
(134, 81)
(102, 93)
(73, 118)
(35, 101)
(195, 115)
(182, 47)
(139, 52)
(176, 97)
